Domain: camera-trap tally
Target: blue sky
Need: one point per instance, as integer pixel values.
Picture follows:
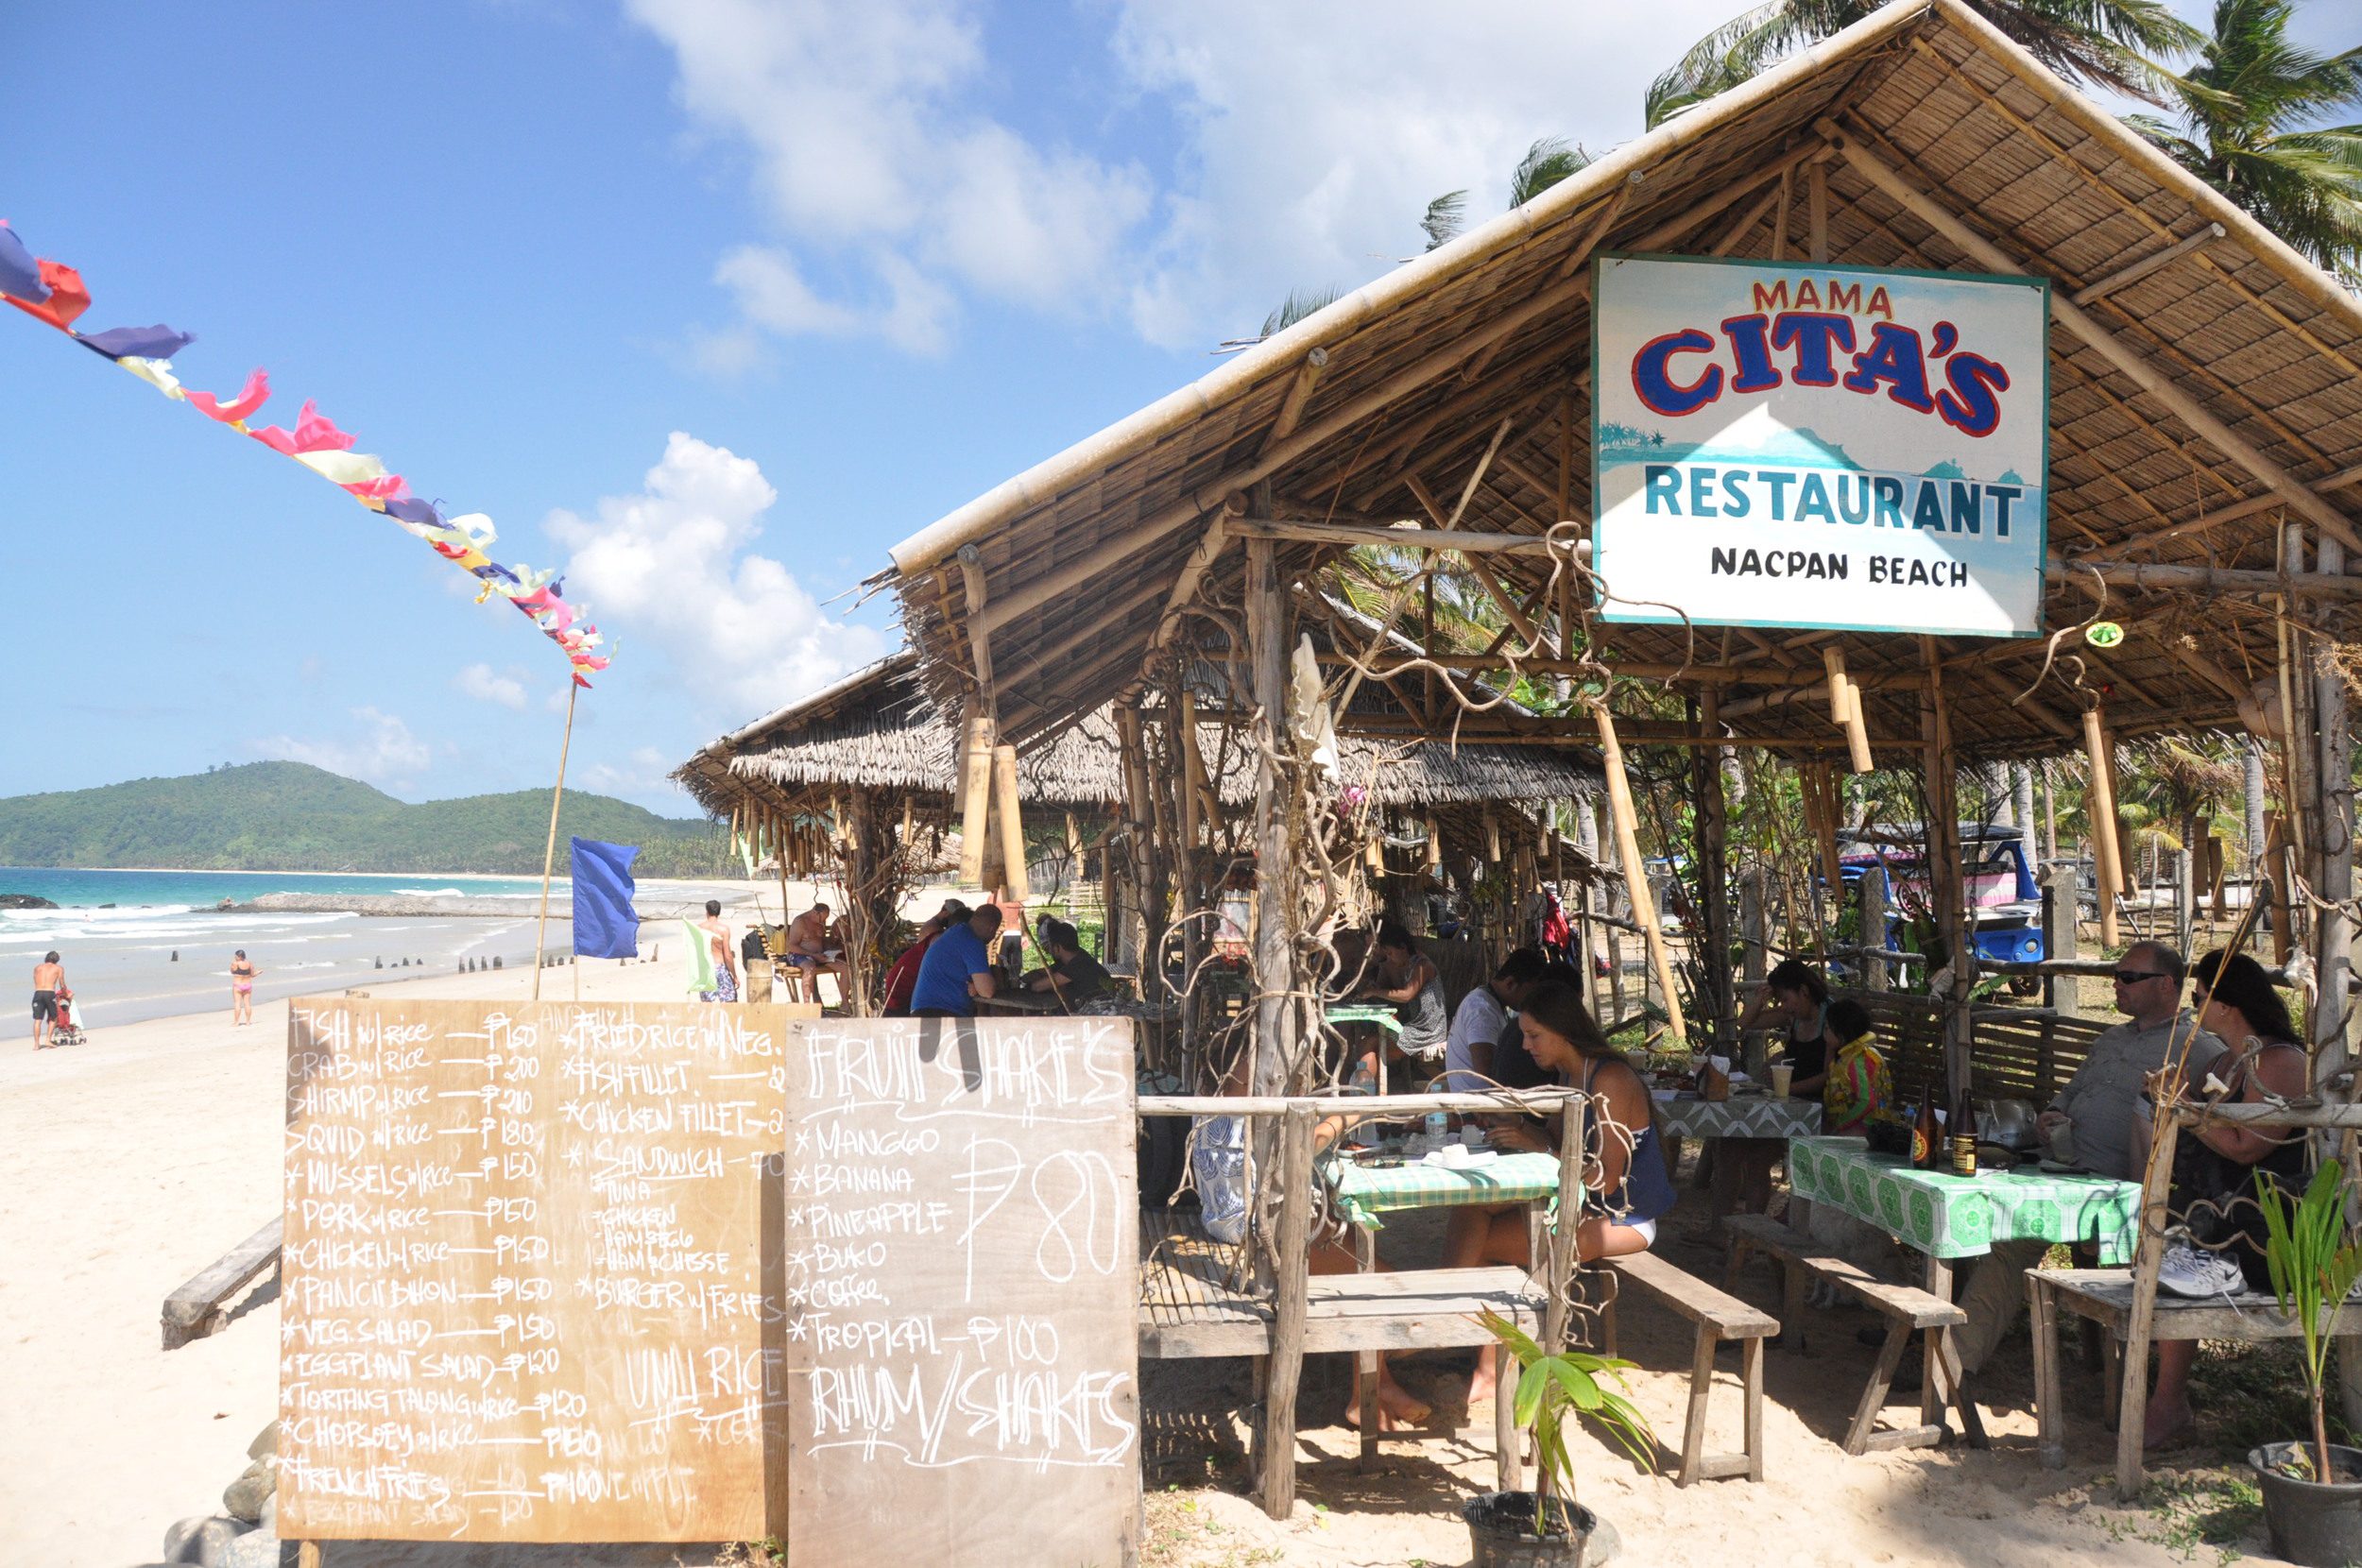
(706, 301)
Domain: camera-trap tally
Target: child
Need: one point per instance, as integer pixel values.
(1856, 1088)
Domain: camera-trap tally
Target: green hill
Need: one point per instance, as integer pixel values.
(291, 816)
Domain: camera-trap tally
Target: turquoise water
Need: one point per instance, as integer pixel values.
(203, 889)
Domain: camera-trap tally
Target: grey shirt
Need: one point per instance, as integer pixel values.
(2101, 1096)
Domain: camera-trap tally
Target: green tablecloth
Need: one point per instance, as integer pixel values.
(1363, 1193)
(1740, 1117)
(1384, 1017)
(1948, 1217)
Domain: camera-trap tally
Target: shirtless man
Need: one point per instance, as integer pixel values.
(808, 942)
(48, 980)
(725, 955)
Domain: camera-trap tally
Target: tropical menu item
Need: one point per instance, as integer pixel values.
(528, 1248)
(961, 1285)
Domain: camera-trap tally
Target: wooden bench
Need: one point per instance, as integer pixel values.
(195, 1310)
(1760, 1233)
(1908, 1310)
(2104, 1296)
(1195, 1302)
(1719, 1316)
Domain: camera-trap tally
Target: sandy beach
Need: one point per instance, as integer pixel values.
(130, 1164)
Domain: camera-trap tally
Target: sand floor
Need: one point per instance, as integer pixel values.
(128, 1165)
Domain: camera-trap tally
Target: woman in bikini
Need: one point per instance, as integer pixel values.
(242, 973)
(1634, 1189)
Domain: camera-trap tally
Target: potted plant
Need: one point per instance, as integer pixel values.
(1544, 1528)
(2312, 1491)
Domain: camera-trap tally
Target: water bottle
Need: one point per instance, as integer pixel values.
(1437, 1123)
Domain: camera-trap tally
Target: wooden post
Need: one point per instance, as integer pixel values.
(1561, 1279)
(2099, 809)
(1872, 893)
(1944, 853)
(975, 795)
(1142, 818)
(2061, 918)
(2276, 858)
(2333, 881)
(1845, 708)
(2133, 1403)
(1275, 967)
(1612, 937)
(1286, 1372)
(1712, 946)
(1011, 823)
(548, 851)
(1635, 870)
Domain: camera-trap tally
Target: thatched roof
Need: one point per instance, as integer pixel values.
(880, 730)
(2191, 404)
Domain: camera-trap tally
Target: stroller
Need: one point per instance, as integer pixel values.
(65, 1032)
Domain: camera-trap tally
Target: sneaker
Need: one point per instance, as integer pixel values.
(2195, 1272)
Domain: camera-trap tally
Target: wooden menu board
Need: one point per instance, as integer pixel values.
(528, 1252)
(962, 1287)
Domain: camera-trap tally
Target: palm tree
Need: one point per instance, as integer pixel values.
(1545, 163)
(2240, 124)
(2102, 42)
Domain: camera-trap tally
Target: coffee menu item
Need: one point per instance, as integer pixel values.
(961, 1291)
(529, 1247)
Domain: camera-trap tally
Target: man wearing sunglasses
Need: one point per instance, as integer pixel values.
(2097, 1103)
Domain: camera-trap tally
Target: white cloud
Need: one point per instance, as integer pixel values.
(480, 682)
(871, 153)
(643, 775)
(673, 564)
(1317, 142)
(385, 752)
(1309, 140)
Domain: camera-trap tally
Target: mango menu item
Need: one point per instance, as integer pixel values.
(526, 1273)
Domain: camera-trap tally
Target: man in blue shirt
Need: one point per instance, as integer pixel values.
(957, 968)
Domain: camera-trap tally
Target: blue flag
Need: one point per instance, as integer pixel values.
(605, 925)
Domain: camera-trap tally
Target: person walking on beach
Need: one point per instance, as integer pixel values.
(48, 980)
(725, 961)
(242, 973)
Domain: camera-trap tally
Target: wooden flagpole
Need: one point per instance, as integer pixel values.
(549, 852)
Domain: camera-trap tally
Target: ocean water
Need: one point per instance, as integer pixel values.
(164, 948)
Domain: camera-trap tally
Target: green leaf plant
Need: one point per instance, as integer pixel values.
(1553, 1385)
(2313, 1266)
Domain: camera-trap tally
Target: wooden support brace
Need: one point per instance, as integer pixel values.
(2107, 855)
(1626, 825)
(1011, 824)
(975, 798)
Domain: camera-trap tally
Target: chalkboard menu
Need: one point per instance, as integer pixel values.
(531, 1273)
(962, 1292)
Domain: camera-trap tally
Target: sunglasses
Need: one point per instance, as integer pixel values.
(2134, 977)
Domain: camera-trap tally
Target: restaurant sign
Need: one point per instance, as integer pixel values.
(1778, 443)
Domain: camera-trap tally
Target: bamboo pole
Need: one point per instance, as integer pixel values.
(2100, 807)
(1845, 708)
(1944, 851)
(1636, 872)
(1011, 823)
(549, 850)
(975, 796)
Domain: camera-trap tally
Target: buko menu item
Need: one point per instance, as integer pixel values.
(962, 1292)
(529, 1247)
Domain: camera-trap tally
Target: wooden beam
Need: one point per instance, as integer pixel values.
(1299, 393)
(1816, 211)
(2150, 263)
(2313, 584)
(1193, 571)
(1845, 711)
(2100, 810)
(978, 641)
(2134, 366)
(1635, 870)
(1390, 539)
(976, 796)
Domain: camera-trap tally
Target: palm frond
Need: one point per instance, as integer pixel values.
(1545, 163)
(1446, 216)
(1299, 304)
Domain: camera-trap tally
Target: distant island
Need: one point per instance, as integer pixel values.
(291, 816)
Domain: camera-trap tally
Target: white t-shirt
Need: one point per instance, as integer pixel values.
(1480, 1021)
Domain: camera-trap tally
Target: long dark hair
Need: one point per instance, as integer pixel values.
(2237, 980)
(1795, 974)
(1558, 1007)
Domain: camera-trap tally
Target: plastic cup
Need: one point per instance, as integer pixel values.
(1783, 1074)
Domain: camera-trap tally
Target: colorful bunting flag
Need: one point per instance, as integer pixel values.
(53, 292)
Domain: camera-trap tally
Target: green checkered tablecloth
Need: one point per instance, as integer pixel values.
(1365, 1192)
(1948, 1217)
(1384, 1017)
(1740, 1117)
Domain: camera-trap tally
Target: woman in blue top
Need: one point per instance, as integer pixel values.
(1623, 1162)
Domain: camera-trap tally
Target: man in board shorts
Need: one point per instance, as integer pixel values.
(48, 980)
